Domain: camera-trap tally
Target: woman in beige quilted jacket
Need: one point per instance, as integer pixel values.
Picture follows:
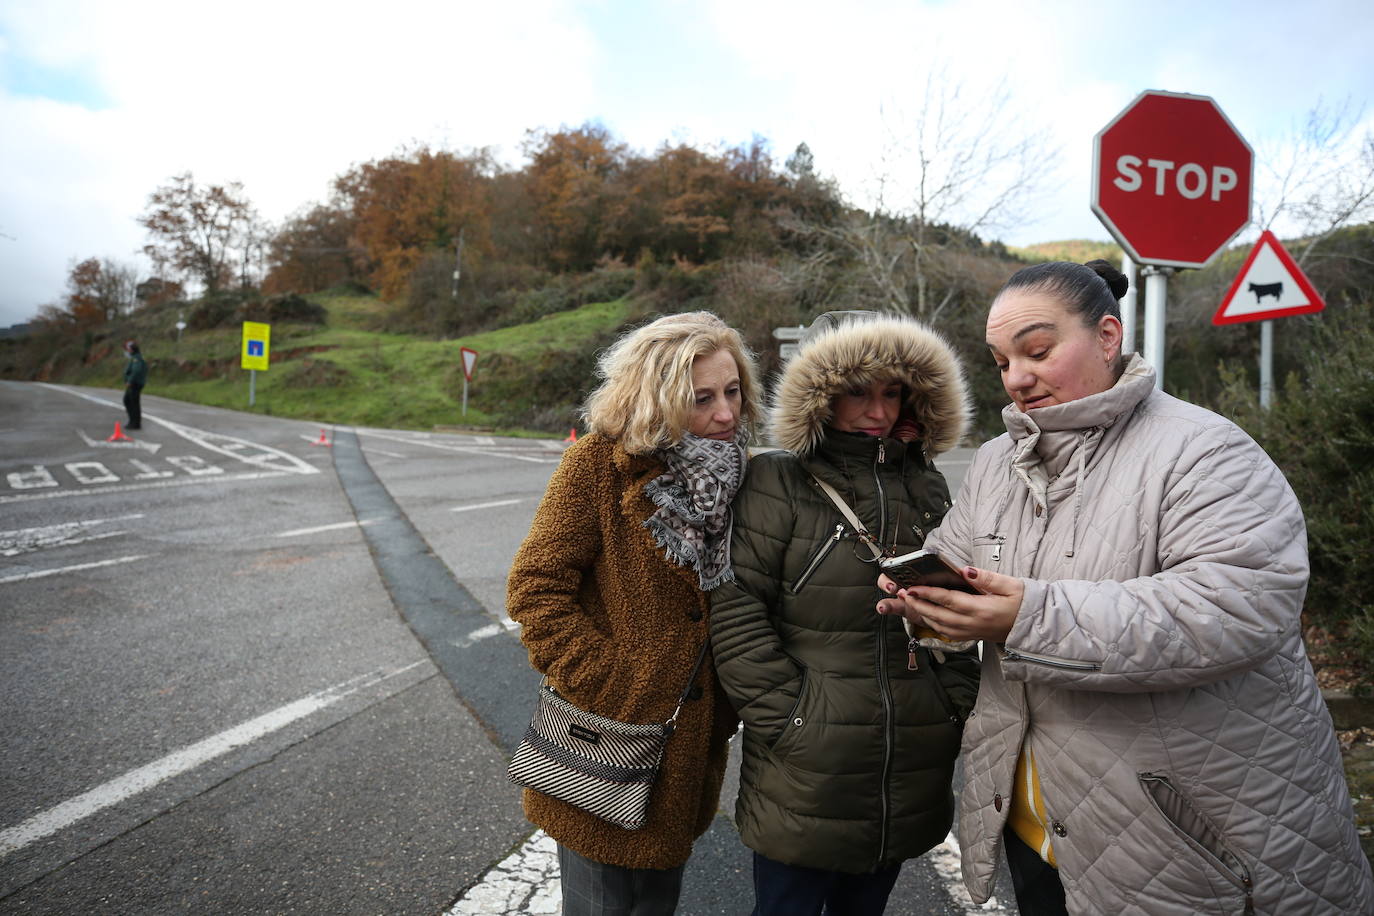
(1149, 737)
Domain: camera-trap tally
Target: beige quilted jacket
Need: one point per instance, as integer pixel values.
(1156, 667)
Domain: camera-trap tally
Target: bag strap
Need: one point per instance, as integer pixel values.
(864, 535)
(682, 698)
(868, 539)
(691, 679)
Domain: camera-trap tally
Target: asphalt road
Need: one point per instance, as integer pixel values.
(242, 672)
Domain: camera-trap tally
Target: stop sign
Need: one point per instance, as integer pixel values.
(1171, 179)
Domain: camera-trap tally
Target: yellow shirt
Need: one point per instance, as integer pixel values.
(1027, 816)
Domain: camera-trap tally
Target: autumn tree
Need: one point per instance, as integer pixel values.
(313, 250)
(201, 232)
(569, 180)
(410, 205)
(98, 291)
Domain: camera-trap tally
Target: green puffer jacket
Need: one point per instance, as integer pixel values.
(848, 751)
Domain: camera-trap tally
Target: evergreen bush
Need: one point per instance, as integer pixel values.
(1320, 431)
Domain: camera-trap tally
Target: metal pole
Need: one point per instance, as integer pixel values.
(1156, 292)
(1266, 363)
(252, 387)
(465, 395)
(1128, 306)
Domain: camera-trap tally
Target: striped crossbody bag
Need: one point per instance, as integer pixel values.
(603, 766)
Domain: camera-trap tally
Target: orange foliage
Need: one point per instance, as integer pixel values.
(405, 207)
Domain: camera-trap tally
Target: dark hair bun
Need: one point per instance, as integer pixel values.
(1115, 279)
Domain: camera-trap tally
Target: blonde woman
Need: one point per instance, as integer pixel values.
(610, 590)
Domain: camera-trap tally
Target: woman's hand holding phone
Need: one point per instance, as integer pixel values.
(988, 613)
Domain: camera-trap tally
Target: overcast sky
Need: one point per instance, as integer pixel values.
(100, 102)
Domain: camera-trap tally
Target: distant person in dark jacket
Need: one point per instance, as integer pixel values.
(135, 377)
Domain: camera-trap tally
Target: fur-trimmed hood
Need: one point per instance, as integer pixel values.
(860, 351)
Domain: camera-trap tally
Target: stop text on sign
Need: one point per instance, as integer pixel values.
(1190, 180)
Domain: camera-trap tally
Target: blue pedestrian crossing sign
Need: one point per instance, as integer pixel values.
(257, 342)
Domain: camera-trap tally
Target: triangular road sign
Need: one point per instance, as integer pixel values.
(1270, 285)
(469, 360)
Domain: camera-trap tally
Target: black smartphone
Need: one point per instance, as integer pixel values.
(925, 567)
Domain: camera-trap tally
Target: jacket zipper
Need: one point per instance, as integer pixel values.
(820, 556)
(882, 495)
(886, 693)
(1239, 872)
(1013, 655)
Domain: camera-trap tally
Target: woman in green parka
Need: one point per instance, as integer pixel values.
(851, 726)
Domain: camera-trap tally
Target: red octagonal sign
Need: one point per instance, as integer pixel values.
(1172, 179)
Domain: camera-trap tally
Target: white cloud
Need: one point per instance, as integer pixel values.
(284, 96)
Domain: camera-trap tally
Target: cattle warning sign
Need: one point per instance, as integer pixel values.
(1270, 285)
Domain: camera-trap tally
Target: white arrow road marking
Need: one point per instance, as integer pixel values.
(146, 777)
(105, 443)
(42, 573)
(261, 456)
(490, 505)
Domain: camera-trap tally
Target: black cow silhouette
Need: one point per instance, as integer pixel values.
(1266, 289)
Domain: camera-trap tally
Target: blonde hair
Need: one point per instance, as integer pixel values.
(645, 398)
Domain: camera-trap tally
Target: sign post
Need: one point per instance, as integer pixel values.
(469, 361)
(1172, 184)
(791, 340)
(1268, 273)
(257, 349)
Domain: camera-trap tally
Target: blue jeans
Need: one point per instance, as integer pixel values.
(593, 888)
(794, 890)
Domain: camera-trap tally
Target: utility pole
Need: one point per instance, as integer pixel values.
(458, 264)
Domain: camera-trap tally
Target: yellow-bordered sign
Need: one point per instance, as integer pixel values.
(257, 345)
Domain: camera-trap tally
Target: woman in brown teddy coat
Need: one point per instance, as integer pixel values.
(610, 587)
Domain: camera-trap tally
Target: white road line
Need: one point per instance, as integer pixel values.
(126, 487)
(505, 624)
(491, 505)
(376, 451)
(146, 777)
(483, 440)
(22, 577)
(319, 528)
(526, 881)
(454, 448)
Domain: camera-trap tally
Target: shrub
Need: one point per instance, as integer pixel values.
(1320, 431)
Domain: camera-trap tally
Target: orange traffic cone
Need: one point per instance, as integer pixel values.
(572, 435)
(118, 434)
(322, 440)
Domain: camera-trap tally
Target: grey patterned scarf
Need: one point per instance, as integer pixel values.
(693, 497)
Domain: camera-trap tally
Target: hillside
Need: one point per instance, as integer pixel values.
(527, 377)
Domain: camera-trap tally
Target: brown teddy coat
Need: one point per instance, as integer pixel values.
(616, 627)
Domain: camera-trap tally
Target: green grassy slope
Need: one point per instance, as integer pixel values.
(343, 373)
